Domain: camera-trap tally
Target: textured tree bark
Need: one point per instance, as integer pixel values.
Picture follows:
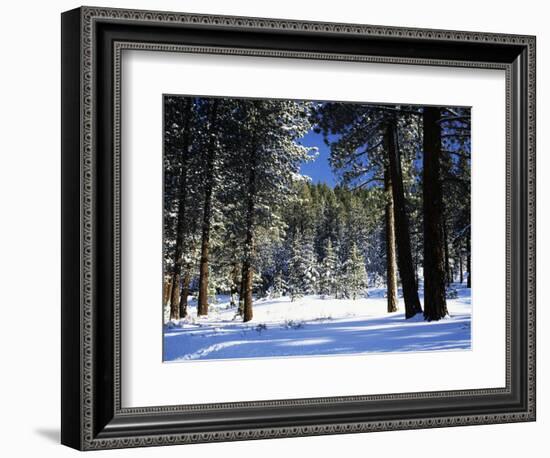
(247, 282)
(167, 292)
(174, 300)
(390, 247)
(178, 250)
(234, 287)
(416, 264)
(435, 272)
(403, 240)
(184, 293)
(461, 267)
(242, 290)
(247, 312)
(448, 273)
(468, 262)
(202, 307)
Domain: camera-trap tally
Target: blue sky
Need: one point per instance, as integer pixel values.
(319, 170)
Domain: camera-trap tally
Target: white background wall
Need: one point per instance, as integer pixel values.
(30, 214)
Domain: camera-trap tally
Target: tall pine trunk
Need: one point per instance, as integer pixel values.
(242, 290)
(248, 273)
(202, 307)
(461, 267)
(468, 261)
(175, 296)
(448, 273)
(182, 192)
(416, 263)
(248, 284)
(391, 261)
(184, 293)
(403, 240)
(167, 291)
(435, 243)
(234, 287)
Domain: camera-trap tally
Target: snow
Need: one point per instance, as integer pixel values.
(314, 326)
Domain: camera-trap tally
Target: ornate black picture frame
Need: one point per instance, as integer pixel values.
(92, 42)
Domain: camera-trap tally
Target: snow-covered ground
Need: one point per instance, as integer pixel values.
(315, 326)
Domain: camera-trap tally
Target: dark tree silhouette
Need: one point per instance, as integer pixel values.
(404, 256)
(391, 261)
(435, 259)
(207, 212)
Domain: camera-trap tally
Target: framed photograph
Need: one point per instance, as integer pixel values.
(276, 228)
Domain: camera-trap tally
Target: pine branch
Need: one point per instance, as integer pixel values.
(362, 153)
(456, 153)
(453, 112)
(454, 118)
(461, 233)
(456, 135)
(453, 179)
(366, 182)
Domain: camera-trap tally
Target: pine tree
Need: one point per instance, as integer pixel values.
(402, 226)
(297, 269)
(328, 277)
(272, 157)
(280, 286)
(455, 178)
(355, 273)
(435, 235)
(180, 227)
(311, 271)
(209, 170)
(391, 256)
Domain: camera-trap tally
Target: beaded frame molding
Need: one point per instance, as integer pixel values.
(93, 40)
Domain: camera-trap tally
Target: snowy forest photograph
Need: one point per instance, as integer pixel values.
(314, 228)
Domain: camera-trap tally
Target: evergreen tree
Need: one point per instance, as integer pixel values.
(328, 277)
(297, 269)
(273, 157)
(211, 152)
(355, 273)
(280, 286)
(181, 188)
(391, 257)
(455, 178)
(341, 289)
(311, 271)
(435, 305)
